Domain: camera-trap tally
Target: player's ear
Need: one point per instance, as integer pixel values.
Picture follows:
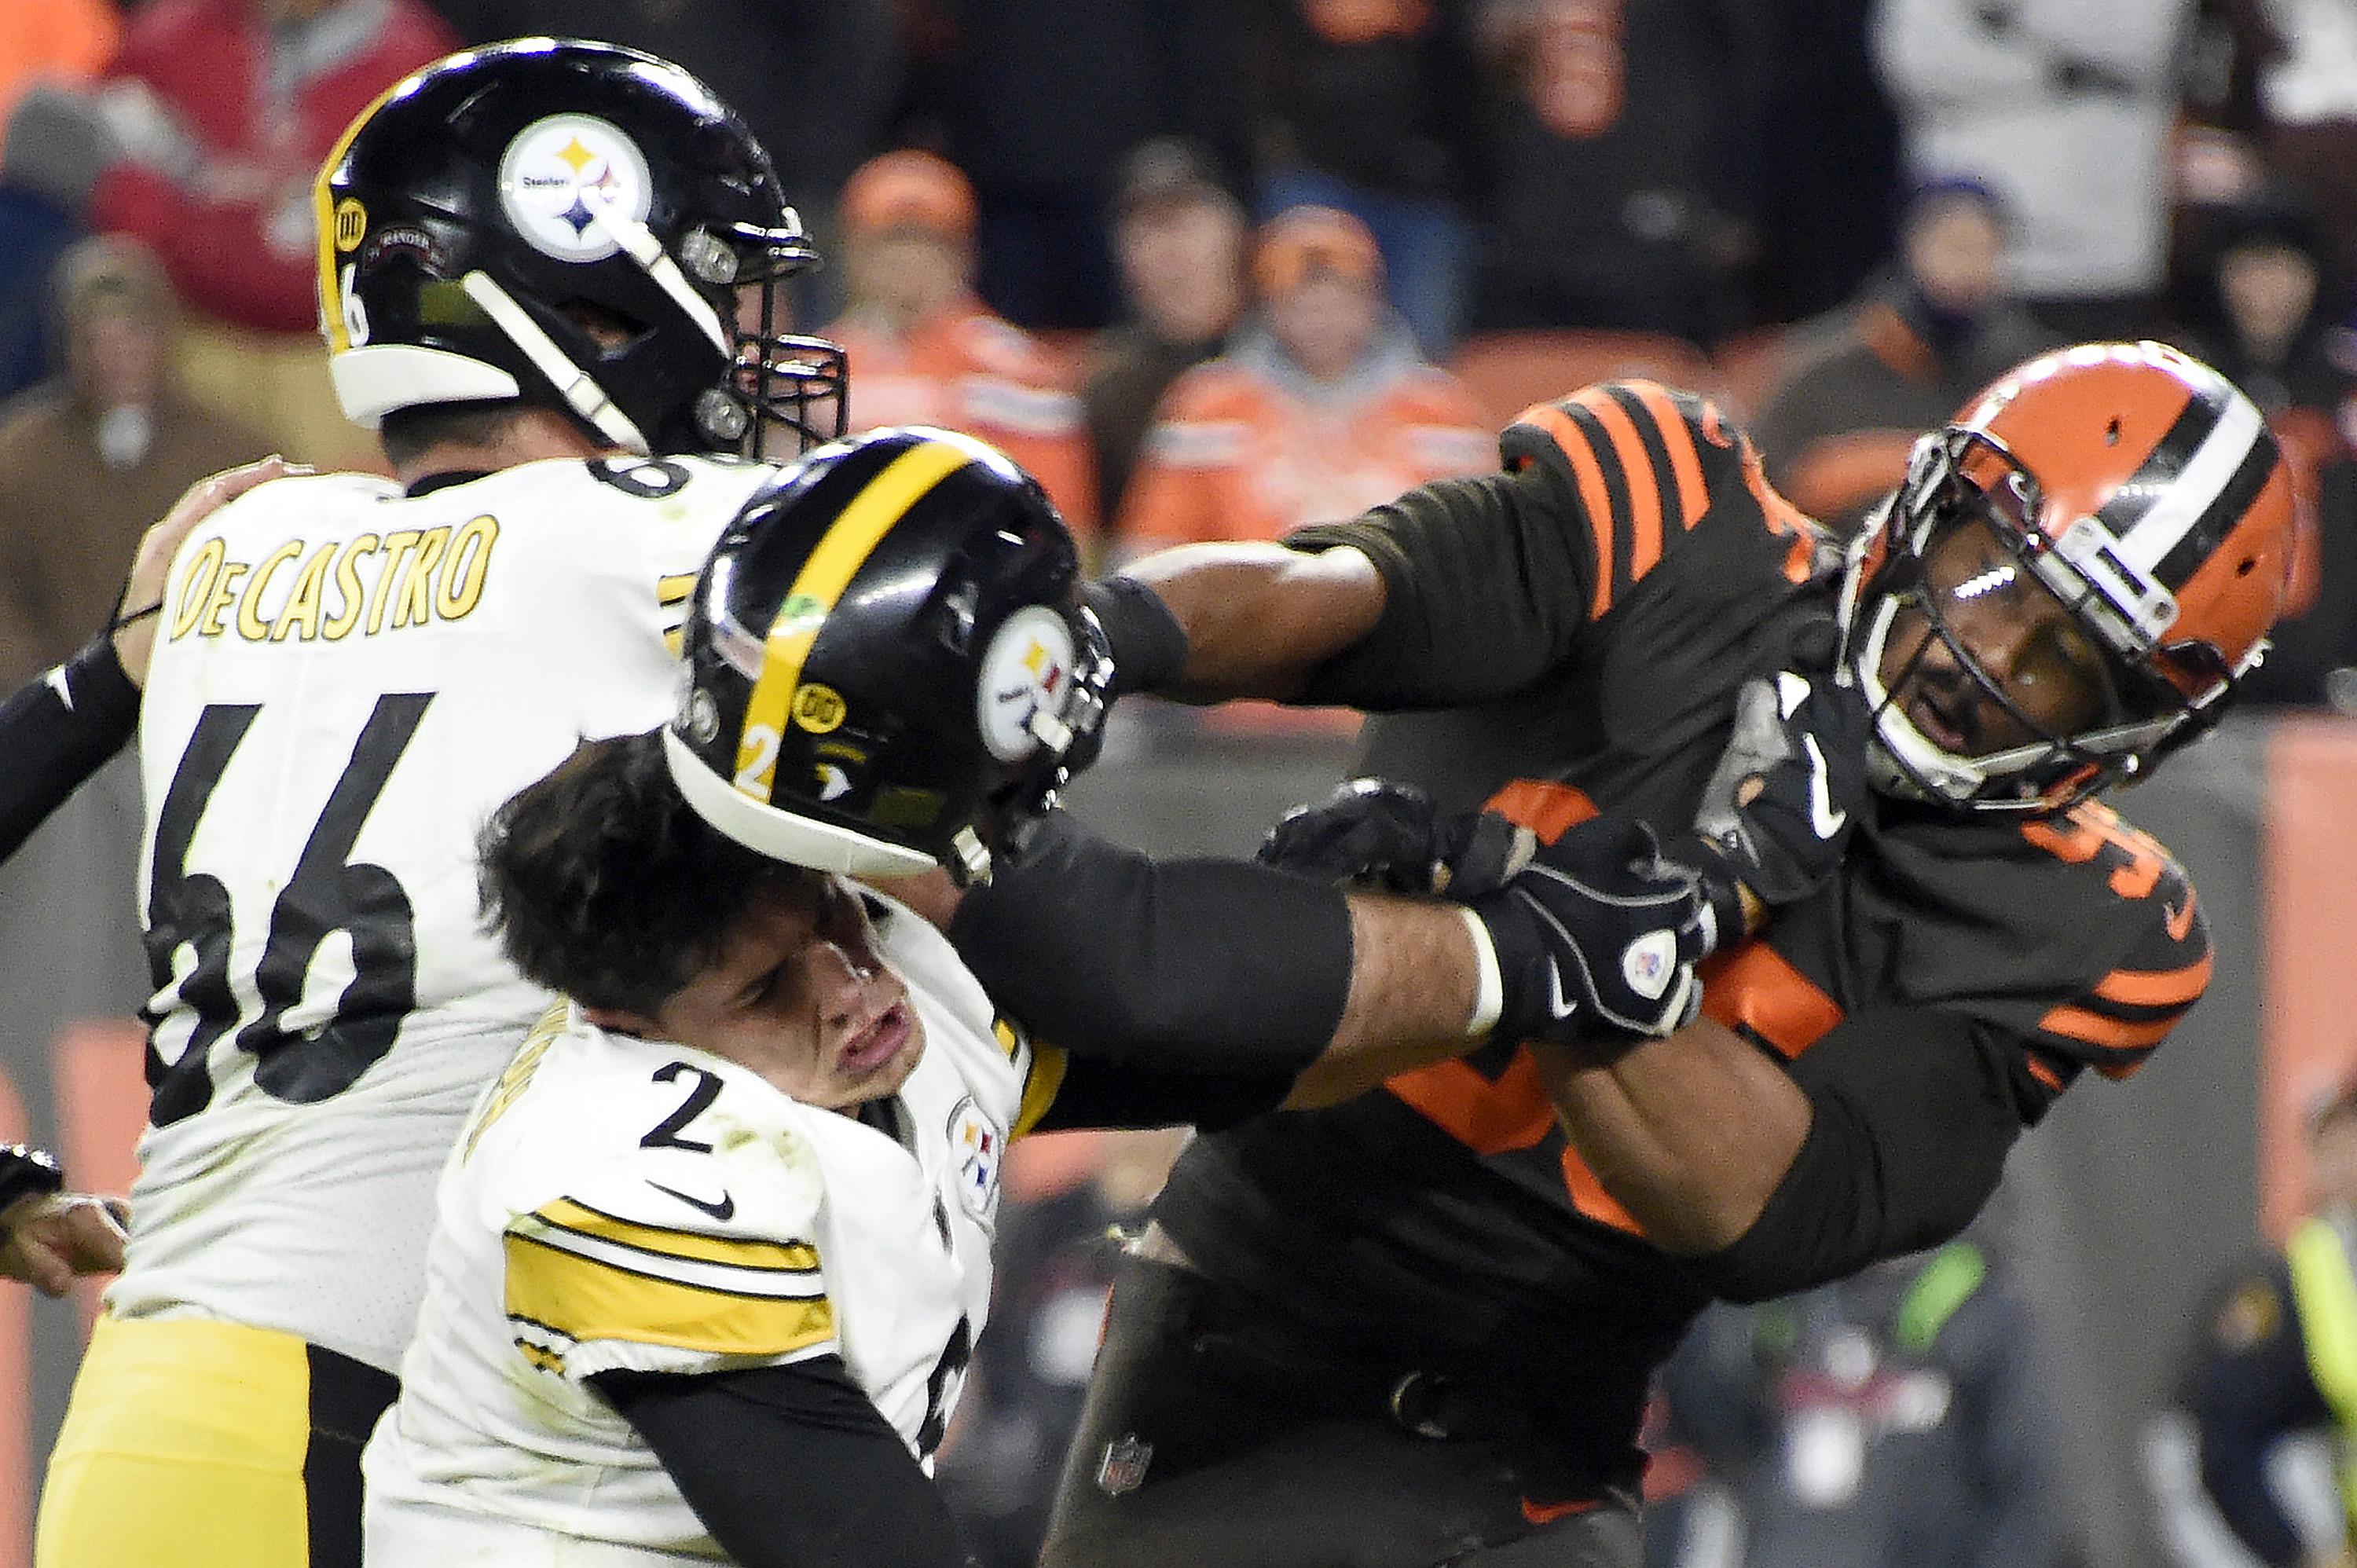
(622, 1021)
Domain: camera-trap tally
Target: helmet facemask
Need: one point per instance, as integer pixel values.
(786, 394)
(2008, 670)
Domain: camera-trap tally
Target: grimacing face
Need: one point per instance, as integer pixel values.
(2047, 663)
(800, 996)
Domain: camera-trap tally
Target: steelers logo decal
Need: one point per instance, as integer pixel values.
(977, 1144)
(560, 173)
(1023, 671)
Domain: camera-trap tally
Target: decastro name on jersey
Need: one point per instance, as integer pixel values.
(365, 584)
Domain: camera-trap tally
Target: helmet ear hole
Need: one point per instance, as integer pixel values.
(609, 326)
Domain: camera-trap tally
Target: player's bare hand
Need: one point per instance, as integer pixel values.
(143, 596)
(53, 1237)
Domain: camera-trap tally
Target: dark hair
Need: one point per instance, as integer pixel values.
(405, 433)
(602, 882)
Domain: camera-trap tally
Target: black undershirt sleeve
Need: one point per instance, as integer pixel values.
(53, 741)
(790, 1466)
(1914, 1112)
(1486, 584)
(1097, 1093)
(1204, 966)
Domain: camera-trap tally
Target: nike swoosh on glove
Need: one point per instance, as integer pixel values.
(1596, 937)
(1777, 812)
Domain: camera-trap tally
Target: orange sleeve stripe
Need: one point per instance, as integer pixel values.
(1678, 441)
(2163, 988)
(1545, 806)
(1636, 475)
(2045, 1074)
(1753, 987)
(2079, 1023)
(1593, 497)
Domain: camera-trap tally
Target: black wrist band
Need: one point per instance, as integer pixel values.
(100, 687)
(25, 1171)
(1150, 645)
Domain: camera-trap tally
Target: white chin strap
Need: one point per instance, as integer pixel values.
(577, 386)
(1903, 762)
(639, 242)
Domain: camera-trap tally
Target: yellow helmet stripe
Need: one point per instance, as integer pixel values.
(323, 219)
(817, 588)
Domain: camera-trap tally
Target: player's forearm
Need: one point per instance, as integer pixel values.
(1260, 617)
(1414, 978)
(1692, 1134)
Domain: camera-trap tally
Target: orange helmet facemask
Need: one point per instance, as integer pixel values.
(2070, 581)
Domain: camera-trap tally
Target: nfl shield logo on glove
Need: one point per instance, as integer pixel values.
(1649, 963)
(1123, 1469)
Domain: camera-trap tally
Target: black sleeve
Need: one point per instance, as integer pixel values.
(790, 1466)
(1098, 1093)
(58, 729)
(1182, 965)
(1487, 585)
(2251, 1388)
(1913, 1113)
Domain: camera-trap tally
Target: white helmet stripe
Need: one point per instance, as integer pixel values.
(2183, 502)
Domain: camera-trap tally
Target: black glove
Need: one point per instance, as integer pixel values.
(1596, 937)
(25, 1170)
(1395, 837)
(1150, 645)
(1776, 810)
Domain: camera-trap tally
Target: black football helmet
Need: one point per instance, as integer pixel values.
(887, 645)
(575, 224)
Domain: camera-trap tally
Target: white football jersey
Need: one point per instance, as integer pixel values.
(346, 682)
(622, 1203)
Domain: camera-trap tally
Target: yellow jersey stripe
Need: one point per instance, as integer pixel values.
(1039, 1086)
(670, 590)
(793, 1257)
(817, 588)
(323, 217)
(593, 1301)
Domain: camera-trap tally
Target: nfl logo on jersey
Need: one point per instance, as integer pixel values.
(977, 1143)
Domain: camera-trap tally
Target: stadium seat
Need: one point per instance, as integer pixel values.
(1508, 371)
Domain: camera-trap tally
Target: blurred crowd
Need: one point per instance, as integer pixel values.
(1219, 268)
(1212, 267)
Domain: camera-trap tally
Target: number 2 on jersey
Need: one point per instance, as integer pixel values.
(327, 893)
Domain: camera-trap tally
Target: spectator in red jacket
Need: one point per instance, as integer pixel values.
(218, 113)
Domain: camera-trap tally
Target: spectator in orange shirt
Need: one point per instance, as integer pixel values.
(1321, 408)
(53, 40)
(928, 351)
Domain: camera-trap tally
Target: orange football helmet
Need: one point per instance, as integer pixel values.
(2089, 559)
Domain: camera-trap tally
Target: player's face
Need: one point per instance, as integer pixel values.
(2052, 674)
(800, 997)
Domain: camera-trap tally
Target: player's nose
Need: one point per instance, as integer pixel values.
(839, 978)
